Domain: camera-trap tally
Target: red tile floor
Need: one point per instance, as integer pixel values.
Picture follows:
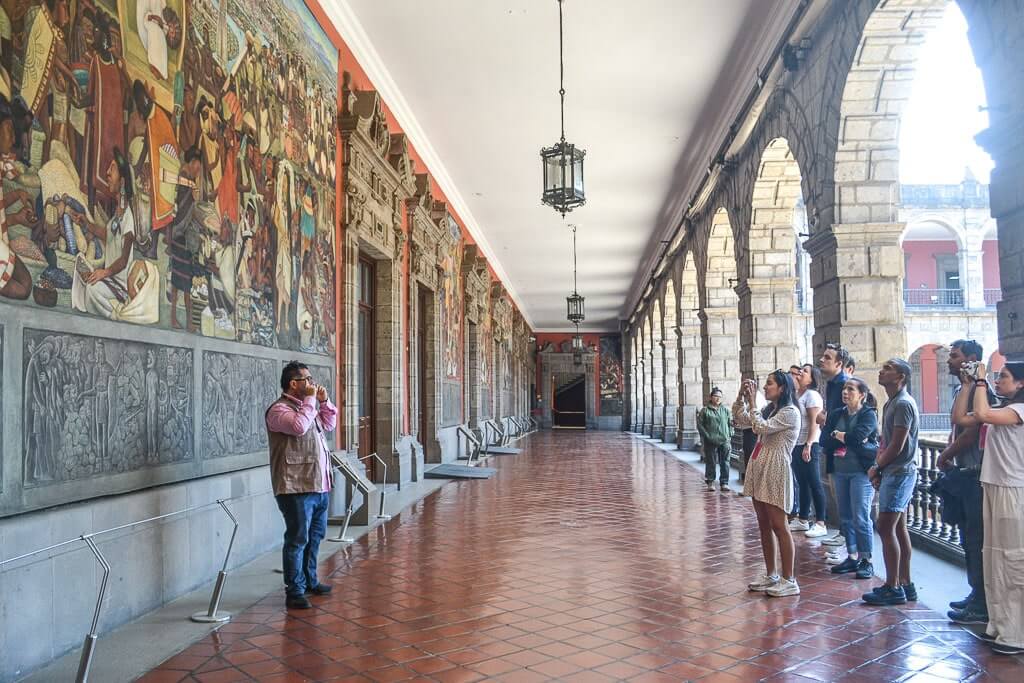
(588, 557)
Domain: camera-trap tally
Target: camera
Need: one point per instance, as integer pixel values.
(970, 367)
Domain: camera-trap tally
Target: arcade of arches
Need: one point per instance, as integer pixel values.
(302, 221)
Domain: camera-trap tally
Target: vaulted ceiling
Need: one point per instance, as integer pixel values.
(652, 86)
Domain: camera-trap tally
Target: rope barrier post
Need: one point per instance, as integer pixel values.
(211, 616)
(89, 646)
(383, 486)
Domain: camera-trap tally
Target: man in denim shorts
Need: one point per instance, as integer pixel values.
(894, 474)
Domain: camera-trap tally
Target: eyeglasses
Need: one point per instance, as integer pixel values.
(307, 378)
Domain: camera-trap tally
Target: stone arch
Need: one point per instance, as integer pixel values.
(657, 370)
(636, 382)
(646, 352)
(691, 359)
(858, 265)
(718, 304)
(766, 267)
(671, 358)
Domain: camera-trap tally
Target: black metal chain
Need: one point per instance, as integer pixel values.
(561, 69)
(573, 256)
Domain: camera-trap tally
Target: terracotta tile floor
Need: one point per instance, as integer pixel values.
(589, 557)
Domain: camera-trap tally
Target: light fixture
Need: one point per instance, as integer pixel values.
(574, 302)
(577, 341)
(562, 163)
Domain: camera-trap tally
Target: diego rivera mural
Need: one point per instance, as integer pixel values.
(171, 163)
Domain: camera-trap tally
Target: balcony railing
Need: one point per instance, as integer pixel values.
(933, 298)
(924, 514)
(993, 296)
(934, 422)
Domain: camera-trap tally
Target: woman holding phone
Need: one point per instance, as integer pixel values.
(769, 482)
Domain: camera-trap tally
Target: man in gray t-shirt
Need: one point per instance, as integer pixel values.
(894, 474)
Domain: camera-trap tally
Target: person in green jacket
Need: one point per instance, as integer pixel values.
(715, 427)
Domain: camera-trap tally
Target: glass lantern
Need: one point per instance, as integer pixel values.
(563, 176)
(574, 308)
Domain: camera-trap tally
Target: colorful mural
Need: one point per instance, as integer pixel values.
(171, 163)
(611, 380)
(451, 295)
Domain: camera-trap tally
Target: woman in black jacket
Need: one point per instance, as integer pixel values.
(850, 441)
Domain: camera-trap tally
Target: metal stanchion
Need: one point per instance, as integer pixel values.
(380, 511)
(89, 646)
(211, 615)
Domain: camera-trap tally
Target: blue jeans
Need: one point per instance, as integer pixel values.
(305, 524)
(853, 496)
(896, 490)
(809, 486)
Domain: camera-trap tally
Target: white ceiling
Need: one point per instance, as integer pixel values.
(651, 87)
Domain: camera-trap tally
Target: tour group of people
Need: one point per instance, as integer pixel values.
(825, 412)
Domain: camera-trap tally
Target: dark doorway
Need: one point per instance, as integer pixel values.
(367, 348)
(569, 403)
(423, 308)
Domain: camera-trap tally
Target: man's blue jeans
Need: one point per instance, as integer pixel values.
(305, 524)
(853, 496)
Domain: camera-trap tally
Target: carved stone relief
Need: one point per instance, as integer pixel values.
(94, 407)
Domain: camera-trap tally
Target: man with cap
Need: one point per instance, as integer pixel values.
(715, 427)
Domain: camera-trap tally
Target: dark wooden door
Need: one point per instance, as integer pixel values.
(367, 343)
(423, 312)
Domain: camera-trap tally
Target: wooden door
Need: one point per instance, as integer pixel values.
(422, 385)
(367, 347)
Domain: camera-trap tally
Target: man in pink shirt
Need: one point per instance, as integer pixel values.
(301, 474)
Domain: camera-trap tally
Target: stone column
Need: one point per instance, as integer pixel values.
(857, 275)
(972, 272)
(719, 335)
(658, 389)
(672, 356)
(690, 362)
(767, 325)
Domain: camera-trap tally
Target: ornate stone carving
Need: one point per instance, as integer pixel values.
(93, 407)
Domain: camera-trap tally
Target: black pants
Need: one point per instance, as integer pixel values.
(749, 441)
(808, 480)
(716, 454)
(972, 533)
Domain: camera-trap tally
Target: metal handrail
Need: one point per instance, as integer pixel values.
(89, 645)
(471, 438)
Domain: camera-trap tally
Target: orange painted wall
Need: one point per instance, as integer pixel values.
(348, 62)
(591, 340)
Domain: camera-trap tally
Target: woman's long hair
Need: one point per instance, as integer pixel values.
(865, 390)
(816, 380)
(1016, 370)
(787, 395)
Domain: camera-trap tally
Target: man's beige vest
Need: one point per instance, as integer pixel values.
(295, 460)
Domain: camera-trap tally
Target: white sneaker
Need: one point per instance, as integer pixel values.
(783, 588)
(763, 584)
(710, 486)
(816, 531)
(834, 541)
(797, 524)
(833, 559)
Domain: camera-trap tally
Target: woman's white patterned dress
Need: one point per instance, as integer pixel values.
(768, 478)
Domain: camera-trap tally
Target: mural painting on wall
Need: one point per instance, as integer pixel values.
(171, 163)
(451, 304)
(611, 375)
(95, 406)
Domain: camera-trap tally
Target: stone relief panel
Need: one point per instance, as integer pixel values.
(95, 407)
(237, 390)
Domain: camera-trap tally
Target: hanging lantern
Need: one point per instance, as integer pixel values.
(574, 302)
(562, 162)
(577, 342)
(577, 357)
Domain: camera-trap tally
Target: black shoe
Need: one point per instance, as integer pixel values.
(910, 591)
(320, 589)
(960, 604)
(886, 595)
(865, 570)
(968, 615)
(986, 637)
(1001, 649)
(847, 566)
(297, 602)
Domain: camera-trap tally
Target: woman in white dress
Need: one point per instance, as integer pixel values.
(149, 21)
(768, 480)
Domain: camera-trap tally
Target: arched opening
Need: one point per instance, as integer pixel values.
(932, 387)
(671, 361)
(768, 266)
(690, 353)
(657, 372)
(932, 266)
(718, 303)
(646, 354)
(635, 381)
